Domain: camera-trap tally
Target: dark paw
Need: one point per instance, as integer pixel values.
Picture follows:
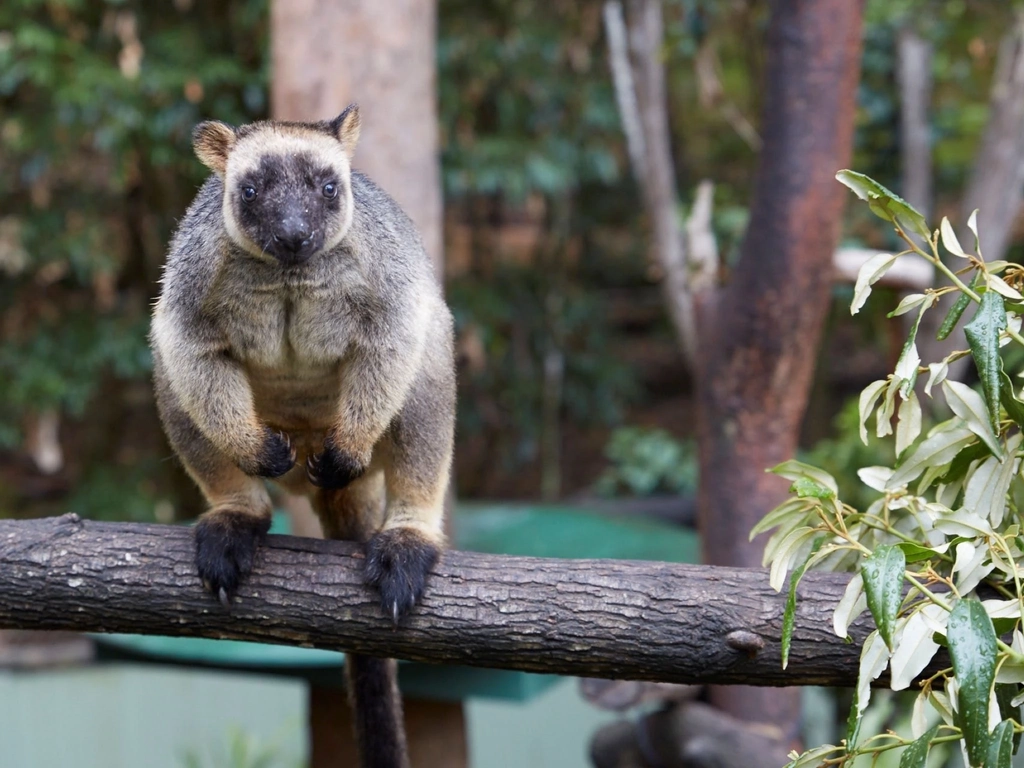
(397, 564)
(333, 468)
(276, 457)
(226, 544)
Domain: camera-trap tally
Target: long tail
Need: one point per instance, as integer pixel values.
(377, 711)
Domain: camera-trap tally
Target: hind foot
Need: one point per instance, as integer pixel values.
(226, 544)
(397, 563)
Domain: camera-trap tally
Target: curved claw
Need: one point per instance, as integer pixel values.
(288, 442)
(313, 469)
(223, 597)
(333, 468)
(276, 457)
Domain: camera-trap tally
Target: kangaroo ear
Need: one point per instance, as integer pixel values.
(212, 141)
(346, 127)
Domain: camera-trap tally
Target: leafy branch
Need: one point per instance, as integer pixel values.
(944, 523)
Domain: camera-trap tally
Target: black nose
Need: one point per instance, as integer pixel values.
(293, 239)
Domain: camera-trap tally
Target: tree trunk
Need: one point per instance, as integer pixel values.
(635, 42)
(914, 74)
(760, 334)
(327, 53)
(595, 618)
(994, 187)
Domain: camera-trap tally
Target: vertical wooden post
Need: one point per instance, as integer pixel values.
(760, 335)
(380, 54)
(436, 731)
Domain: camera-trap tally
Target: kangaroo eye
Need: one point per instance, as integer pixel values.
(330, 190)
(248, 194)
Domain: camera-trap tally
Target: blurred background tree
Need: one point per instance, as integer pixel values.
(564, 338)
(573, 380)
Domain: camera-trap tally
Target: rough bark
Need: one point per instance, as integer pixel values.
(327, 53)
(760, 334)
(595, 618)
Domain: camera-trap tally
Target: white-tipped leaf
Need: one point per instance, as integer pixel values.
(874, 657)
(972, 224)
(875, 478)
(868, 398)
(914, 648)
(989, 484)
(852, 604)
(969, 567)
(872, 271)
(970, 406)
(949, 239)
(936, 375)
(940, 447)
(909, 302)
(908, 426)
(796, 470)
(999, 285)
(793, 548)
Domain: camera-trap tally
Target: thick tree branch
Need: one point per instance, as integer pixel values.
(597, 618)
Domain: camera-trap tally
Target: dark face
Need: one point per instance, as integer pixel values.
(288, 205)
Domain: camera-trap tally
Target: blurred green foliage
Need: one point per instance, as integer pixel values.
(646, 461)
(241, 749)
(504, 398)
(97, 101)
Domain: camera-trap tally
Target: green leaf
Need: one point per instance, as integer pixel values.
(791, 511)
(796, 470)
(910, 359)
(972, 646)
(1000, 746)
(853, 721)
(914, 552)
(1004, 695)
(983, 337)
(953, 316)
(916, 755)
(789, 616)
(963, 460)
(884, 203)
(804, 487)
(883, 582)
(1014, 407)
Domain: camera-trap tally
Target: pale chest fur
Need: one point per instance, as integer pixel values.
(291, 337)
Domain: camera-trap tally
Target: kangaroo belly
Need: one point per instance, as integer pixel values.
(296, 401)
